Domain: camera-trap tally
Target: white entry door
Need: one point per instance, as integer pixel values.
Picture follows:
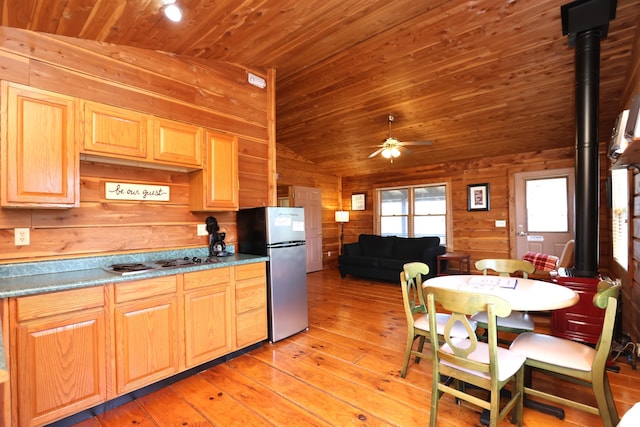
(311, 200)
(544, 207)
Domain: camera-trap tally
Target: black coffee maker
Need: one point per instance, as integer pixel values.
(216, 239)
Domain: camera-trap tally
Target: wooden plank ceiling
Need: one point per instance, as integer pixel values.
(478, 78)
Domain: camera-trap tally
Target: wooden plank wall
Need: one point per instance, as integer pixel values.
(473, 232)
(294, 170)
(631, 279)
(215, 95)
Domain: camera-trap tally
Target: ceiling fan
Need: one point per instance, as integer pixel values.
(391, 147)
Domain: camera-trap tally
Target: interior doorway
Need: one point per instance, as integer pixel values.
(311, 200)
(544, 211)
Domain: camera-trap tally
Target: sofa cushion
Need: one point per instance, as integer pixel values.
(412, 248)
(361, 261)
(376, 246)
(393, 264)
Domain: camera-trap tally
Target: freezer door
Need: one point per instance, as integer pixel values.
(287, 291)
(285, 225)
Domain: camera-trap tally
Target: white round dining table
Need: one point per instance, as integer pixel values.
(526, 295)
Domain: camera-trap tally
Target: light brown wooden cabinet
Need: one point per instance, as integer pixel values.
(113, 131)
(215, 187)
(177, 143)
(123, 134)
(208, 315)
(59, 354)
(251, 304)
(39, 158)
(75, 349)
(147, 343)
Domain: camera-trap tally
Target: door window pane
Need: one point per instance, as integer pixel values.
(547, 205)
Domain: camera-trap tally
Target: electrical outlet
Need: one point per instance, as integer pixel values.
(202, 230)
(22, 236)
(328, 253)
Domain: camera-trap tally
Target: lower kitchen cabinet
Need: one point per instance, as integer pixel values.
(72, 350)
(59, 354)
(147, 343)
(207, 315)
(251, 304)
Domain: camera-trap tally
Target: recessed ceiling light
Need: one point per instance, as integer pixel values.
(172, 11)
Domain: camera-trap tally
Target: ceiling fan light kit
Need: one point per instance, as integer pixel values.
(390, 148)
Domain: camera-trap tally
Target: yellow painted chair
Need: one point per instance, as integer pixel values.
(577, 362)
(518, 321)
(416, 313)
(470, 361)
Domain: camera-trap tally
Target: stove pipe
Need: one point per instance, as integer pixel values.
(586, 22)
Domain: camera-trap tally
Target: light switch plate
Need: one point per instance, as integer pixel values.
(501, 223)
(202, 230)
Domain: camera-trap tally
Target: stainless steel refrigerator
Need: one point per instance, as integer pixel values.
(279, 233)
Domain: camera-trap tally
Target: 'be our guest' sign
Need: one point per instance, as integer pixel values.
(126, 191)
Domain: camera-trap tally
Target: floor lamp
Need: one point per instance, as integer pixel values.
(341, 218)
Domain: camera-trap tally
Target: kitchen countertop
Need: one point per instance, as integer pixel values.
(50, 276)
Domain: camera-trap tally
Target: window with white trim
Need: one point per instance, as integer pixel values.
(620, 216)
(415, 211)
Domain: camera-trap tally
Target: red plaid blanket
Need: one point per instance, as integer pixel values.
(542, 262)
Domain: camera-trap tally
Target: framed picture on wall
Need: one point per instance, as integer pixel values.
(478, 197)
(358, 202)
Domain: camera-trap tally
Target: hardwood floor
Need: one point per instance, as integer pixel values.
(343, 371)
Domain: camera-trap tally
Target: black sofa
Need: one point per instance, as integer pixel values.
(382, 257)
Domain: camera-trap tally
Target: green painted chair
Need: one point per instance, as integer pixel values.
(518, 321)
(577, 362)
(470, 361)
(416, 313)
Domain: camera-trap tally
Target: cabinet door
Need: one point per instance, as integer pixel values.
(61, 366)
(40, 165)
(208, 322)
(147, 343)
(177, 143)
(216, 186)
(251, 304)
(114, 131)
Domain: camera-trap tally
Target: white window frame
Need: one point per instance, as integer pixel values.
(620, 216)
(410, 215)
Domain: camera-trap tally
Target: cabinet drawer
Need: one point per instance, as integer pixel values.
(50, 304)
(200, 279)
(250, 297)
(251, 327)
(248, 271)
(145, 288)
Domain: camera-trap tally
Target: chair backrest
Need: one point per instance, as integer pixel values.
(411, 283)
(505, 267)
(566, 257)
(461, 305)
(606, 298)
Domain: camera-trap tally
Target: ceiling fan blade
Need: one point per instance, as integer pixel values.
(417, 142)
(375, 153)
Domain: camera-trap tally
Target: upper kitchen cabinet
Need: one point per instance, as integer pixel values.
(40, 167)
(177, 143)
(114, 132)
(215, 187)
(123, 134)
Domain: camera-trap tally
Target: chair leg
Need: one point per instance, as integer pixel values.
(604, 400)
(420, 347)
(435, 397)
(407, 354)
(613, 412)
